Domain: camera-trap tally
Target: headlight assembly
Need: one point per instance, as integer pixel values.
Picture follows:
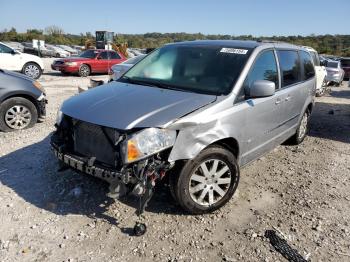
(71, 63)
(38, 86)
(148, 142)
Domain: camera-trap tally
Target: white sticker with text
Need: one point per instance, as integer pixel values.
(233, 51)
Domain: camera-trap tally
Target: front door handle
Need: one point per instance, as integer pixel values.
(278, 101)
(288, 98)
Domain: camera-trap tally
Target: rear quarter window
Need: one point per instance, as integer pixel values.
(289, 66)
(308, 70)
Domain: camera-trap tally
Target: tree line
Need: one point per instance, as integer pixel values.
(325, 44)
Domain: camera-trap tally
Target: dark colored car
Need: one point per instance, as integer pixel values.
(345, 64)
(90, 61)
(22, 101)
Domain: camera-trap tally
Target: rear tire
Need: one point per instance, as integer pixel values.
(84, 70)
(302, 130)
(32, 70)
(26, 112)
(207, 182)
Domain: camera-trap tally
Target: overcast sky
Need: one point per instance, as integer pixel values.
(240, 17)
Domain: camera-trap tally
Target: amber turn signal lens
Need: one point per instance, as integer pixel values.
(133, 152)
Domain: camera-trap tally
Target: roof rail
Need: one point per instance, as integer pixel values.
(270, 41)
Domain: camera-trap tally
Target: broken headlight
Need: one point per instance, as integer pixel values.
(148, 142)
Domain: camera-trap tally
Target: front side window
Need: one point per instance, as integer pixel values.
(89, 54)
(289, 66)
(5, 49)
(195, 68)
(308, 67)
(264, 68)
(103, 55)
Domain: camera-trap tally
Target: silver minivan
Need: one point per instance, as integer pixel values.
(192, 114)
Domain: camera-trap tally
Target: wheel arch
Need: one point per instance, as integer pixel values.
(32, 62)
(25, 96)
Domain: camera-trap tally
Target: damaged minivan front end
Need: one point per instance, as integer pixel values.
(127, 147)
(129, 162)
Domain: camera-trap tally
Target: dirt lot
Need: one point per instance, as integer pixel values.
(301, 191)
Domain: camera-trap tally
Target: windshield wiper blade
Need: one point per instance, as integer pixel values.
(153, 83)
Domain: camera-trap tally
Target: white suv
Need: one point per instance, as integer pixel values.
(13, 60)
(320, 70)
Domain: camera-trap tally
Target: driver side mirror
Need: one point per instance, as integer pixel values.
(14, 52)
(261, 88)
(99, 58)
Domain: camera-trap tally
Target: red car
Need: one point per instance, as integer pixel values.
(90, 61)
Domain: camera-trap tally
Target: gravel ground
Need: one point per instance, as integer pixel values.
(301, 191)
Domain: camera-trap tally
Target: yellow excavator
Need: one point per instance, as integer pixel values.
(105, 38)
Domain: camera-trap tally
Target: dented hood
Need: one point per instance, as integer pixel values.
(126, 106)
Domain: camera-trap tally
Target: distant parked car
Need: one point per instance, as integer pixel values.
(90, 61)
(345, 65)
(335, 74)
(118, 70)
(319, 69)
(59, 52)
(15, 45)
(14, 60)
(72, 51)
(22, 101)
(43, 52)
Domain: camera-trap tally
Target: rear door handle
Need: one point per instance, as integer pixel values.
(278, 101)
(288, 98)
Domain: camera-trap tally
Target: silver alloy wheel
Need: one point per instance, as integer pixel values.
(210, 182)
(84, 71)
(18, 117)
(303, 126)
(32, 71)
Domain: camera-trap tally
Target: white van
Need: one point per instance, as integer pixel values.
(320, 70)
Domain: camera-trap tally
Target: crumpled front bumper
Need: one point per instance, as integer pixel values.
(84, 165)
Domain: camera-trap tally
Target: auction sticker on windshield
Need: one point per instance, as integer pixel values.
(234, 51)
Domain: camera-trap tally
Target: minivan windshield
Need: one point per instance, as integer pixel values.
(205, 69)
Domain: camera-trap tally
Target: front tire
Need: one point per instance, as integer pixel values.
(32, 70)
(84, 70)
(17, 113)
(207, 182)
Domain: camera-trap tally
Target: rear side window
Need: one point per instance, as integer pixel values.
(264, 68)
(290, 67)
(114, 55)
(307, 66)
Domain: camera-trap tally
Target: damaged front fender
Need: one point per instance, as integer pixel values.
(198, 132)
